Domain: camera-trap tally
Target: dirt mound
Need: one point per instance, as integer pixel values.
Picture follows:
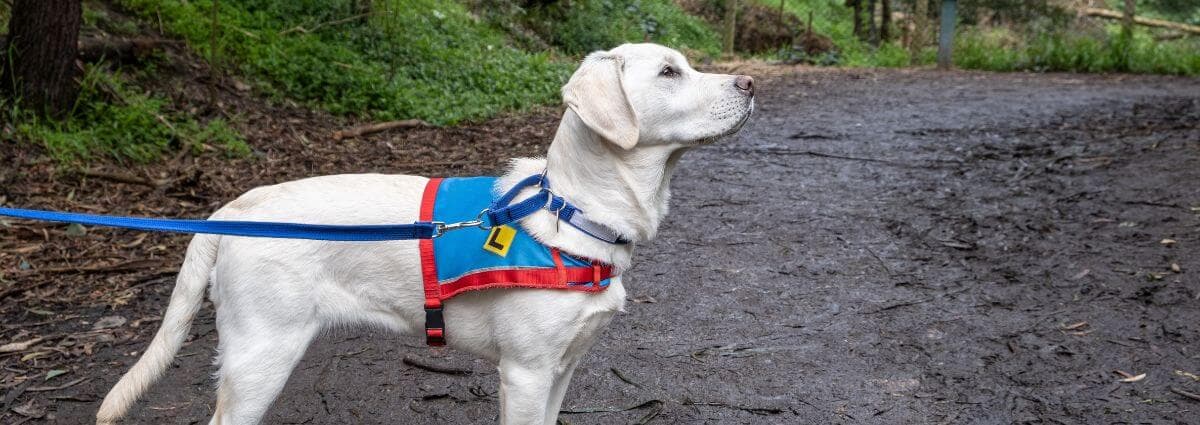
(759, 28)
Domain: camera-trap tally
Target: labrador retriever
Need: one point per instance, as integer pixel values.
(631, 112)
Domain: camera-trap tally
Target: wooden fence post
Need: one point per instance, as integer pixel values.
(946, 34)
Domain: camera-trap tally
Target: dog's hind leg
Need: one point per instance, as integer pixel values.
(256, 357)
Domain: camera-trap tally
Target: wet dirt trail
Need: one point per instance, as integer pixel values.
(875, 247)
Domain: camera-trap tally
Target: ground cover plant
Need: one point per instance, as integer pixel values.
(387, 59)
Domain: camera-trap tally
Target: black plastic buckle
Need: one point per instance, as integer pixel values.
(434, 327)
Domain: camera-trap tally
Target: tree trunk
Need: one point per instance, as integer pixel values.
(39, 70)
(917, 39)
(872, 29)
(885, 20)
(856, 8)
(730, 25)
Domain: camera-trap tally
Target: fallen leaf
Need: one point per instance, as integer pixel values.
(19, 346)
(1075, 326)
(1167, 242)
(34, 355)
(1134, 378)
(240, 86)
(1188, 375)
(56, 372)
(76, 230)
(107, 322)
(30, 410)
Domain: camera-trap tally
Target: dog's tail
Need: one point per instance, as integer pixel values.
(185, 301)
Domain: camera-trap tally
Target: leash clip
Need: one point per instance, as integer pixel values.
(440, 227)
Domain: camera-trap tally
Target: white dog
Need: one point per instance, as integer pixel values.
(632, 112)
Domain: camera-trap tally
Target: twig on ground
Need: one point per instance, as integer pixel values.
(754, 410)
(437, 369)
(1191, 395)
(624, 378)
(299, 28)
(57, 387)
(121, 178)
(916, 301)
(644, 404)
(377, 127)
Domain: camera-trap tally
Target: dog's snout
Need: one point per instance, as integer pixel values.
(744, 83)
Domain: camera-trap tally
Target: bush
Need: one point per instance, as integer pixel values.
(582, 26)
(387, 59)
(112, 119)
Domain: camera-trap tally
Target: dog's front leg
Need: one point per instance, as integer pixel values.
(524, 392)
(558, 391)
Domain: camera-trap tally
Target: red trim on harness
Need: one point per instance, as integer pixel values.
(558, 265)
(526, 278)
(559, 277)
(433, 300)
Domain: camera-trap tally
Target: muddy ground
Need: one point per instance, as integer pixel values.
(875, 247)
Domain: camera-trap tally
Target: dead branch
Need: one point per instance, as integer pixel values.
(1193, 396)
(377, 127)
(121, 49)
(432, 368)
(121, 178)
(1158, 23)
(299, 28)
(104, 268)
(57, 387)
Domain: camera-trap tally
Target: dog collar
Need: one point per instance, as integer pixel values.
(502, 211)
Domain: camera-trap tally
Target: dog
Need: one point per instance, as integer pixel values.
(631, 113)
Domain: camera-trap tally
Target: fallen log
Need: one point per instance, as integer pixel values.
(1158, 23)
(366, 129)
(121, 49)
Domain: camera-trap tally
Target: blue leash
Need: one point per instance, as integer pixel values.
(499, 213)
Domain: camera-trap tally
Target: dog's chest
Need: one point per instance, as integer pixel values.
(505, 256)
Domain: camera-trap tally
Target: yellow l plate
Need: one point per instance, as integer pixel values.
(500, 240)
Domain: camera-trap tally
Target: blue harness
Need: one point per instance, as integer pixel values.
(492, 253)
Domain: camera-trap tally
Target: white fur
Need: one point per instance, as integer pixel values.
(613, 156)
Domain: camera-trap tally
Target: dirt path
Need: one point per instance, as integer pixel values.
(876, 247)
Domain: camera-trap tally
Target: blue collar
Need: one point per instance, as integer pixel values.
(500, 212)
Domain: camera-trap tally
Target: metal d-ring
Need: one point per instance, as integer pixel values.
(479, 220)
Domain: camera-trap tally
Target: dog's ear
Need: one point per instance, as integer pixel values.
(597, 95)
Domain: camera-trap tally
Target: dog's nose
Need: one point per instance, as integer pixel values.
(744, 83)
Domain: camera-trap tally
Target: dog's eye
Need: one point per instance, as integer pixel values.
(668, 71)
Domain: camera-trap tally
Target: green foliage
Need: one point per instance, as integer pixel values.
(1001, 50)
(833, 19)
(113, 119)
(387, 59)
(582, 26)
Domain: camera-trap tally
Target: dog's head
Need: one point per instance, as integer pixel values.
(646, 95)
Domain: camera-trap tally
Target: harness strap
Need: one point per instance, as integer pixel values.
(500, 212)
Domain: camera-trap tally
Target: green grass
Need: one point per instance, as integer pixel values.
(112, 119)
(1110, 51)
(583, 26)
(1038, 46)
(406, 59)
